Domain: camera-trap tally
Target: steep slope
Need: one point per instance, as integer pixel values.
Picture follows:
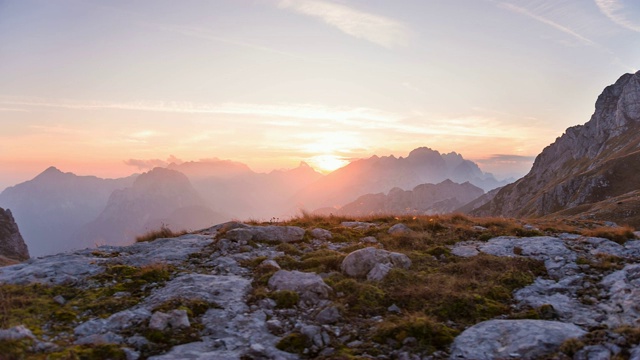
(588, 164)
(54, 205)
(424, 199)
(12, 246)
(158, 197)
(381, 174)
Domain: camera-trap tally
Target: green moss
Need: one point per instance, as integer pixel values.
(361, 298)
(193, 307)
(438, 251)
(285, 299)
(429, 334)
(294, 343)
(323, 260)
(288, 249)
(571, 346)
(15, 349)
(287, 262)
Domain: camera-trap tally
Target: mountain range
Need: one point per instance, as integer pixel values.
(591, 171)
(424, 199)
(60, 211)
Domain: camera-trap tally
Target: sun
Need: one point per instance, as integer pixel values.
(327, 163)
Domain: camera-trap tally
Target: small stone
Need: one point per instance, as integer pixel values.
(329, 315)
(369, 240)
(321, 234)
(394, 309)
(399, 229)
(60, 299)
(479, 228)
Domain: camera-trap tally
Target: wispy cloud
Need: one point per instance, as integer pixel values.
(617, 12)
(284, 110)
(547, 21)
(205, 34)
(374, 28)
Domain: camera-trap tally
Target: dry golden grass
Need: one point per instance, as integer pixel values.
(617, 234)
(163, 232)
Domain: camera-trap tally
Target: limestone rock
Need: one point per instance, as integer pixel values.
(52, 270)
(176, 319)
(321, 234)
(310, 286)
(271, 233)
(399, 229)
(358, 225)
(373, 263)
(504, 339)
(12, 244)
(16, 333)
(587, 166)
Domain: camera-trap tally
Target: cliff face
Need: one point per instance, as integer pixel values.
(588, 164)
(12, 245)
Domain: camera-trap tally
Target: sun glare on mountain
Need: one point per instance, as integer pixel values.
(328, 163)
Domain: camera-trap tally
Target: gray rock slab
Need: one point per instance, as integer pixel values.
(169, 251)
(310, 286)
(223, 291)
(60, 269)
(505, 339)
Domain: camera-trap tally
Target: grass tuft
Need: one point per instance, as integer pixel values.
(163, 232)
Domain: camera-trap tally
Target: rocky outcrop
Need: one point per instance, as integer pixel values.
(509, 339)
(589, 164)
(372, 263)
(12, 245)
(424, 199)
(51, 207)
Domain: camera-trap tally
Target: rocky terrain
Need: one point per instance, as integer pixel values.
(335, 288)
(591, 171)
(12, 246)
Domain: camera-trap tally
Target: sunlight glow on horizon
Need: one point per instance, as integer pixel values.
(86, 86)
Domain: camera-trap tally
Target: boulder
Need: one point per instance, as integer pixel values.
(310, 286)
(507, 339)
(372, 263)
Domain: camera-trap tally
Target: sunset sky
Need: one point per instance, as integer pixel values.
(90, 85)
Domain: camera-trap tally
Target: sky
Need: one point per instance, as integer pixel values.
(109, 88)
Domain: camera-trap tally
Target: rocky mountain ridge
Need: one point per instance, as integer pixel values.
(334, 288)
(12, 246)
(381, 174)
(425, 199)
(587, 168)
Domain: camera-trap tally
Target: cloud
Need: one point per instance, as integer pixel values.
(549, 22)
(152, 163)
(508, 158)
(617, 12)
(360, 116)
(373, 28)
